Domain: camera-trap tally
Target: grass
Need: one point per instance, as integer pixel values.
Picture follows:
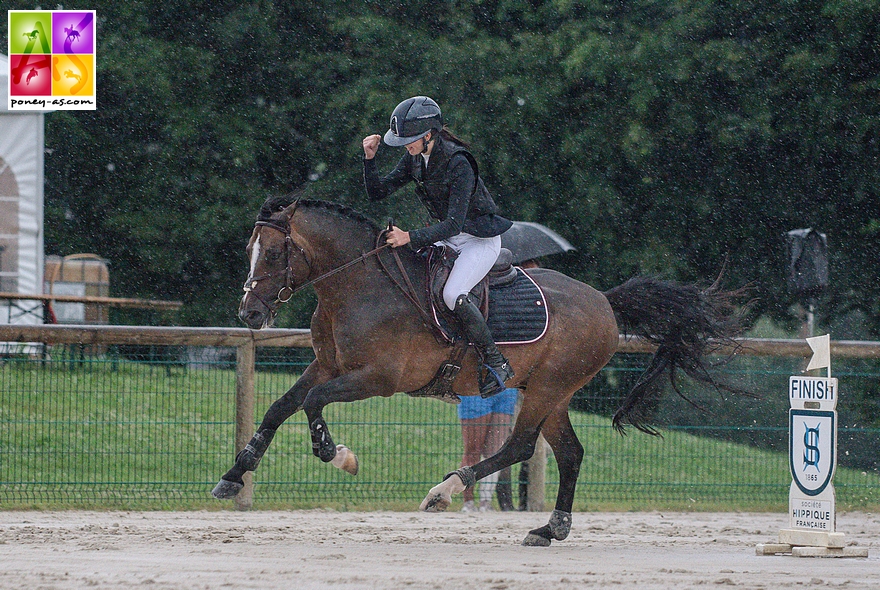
(126, 435)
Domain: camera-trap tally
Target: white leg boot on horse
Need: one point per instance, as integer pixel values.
(440, 496)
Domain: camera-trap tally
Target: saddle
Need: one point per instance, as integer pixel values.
(512, 302)
(439, 261)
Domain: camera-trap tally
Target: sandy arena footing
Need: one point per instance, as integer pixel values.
(326, 549)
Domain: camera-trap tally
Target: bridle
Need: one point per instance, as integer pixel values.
(288, 290)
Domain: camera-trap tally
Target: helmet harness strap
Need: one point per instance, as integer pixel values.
(426, 142)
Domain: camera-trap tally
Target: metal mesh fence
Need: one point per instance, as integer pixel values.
(154, 427)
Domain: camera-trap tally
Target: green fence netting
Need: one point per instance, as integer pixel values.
(154, 427)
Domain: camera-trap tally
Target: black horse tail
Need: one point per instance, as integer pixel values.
(686, 323)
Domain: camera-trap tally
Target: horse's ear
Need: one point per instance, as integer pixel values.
(288, 211)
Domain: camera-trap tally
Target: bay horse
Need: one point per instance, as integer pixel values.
(370, 339)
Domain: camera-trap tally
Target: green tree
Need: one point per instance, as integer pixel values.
(659, 137)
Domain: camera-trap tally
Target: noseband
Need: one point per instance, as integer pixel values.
(288, 290)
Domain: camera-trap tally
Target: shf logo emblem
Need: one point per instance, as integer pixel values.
(812, 449)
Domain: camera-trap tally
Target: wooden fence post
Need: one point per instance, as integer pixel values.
(537, 472)
(244, 415)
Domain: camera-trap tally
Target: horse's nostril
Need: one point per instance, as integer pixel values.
(251, 317)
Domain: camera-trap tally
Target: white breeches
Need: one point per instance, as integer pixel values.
(475, 259)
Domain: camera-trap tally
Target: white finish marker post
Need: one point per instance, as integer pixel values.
(812, 458)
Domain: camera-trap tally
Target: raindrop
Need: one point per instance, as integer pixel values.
(318, 171)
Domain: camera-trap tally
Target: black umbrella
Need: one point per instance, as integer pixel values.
(529, 240)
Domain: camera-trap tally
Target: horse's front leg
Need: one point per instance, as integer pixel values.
(349, 387)
(249, 457)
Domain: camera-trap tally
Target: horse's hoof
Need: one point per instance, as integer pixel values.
(533, 540)
(435, 503)
(346, 460)
(226, 489)
(539, 537)
(440, 496)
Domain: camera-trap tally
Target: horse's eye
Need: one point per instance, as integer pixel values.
(273, 255)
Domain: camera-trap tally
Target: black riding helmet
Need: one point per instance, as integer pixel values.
(413, 119)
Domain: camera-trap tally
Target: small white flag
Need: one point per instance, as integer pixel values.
(821, 346)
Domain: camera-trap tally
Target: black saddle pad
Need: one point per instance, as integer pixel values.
(517, 311)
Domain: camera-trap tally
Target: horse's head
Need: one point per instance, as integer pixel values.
(298, 242)
(278, 264)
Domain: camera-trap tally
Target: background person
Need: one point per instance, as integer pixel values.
(485, 425)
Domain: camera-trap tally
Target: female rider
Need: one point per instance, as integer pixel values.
(448, 184)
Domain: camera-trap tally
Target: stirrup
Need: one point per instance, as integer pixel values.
(492, 381)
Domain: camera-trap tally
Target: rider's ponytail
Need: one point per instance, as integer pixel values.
(447, 135)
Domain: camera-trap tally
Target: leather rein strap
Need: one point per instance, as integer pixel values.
(330, 273)
(288, 291)
(407, 289)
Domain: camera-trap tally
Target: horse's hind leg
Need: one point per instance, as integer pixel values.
(569, 453)
(519, 447)
(248, 459)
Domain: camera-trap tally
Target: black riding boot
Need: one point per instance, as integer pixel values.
(496, 369)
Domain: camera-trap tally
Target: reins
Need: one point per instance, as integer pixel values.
(288, 290)
(408, 290)
(330, 273)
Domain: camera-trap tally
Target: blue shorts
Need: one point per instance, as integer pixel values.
(473, 406)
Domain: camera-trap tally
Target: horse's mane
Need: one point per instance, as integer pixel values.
(276, 204)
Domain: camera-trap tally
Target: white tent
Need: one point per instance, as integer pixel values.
(21, 207)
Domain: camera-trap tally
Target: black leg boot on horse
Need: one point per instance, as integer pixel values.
(496, 369)
(247, 460)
